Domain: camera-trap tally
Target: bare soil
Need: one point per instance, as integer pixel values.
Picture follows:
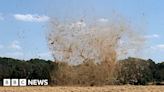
(125, 88)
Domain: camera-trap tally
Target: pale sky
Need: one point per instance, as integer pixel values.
(23, 24)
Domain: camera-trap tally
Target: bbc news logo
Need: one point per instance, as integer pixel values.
(24, 82)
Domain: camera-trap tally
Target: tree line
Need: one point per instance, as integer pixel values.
(30, 69)
(128, 71)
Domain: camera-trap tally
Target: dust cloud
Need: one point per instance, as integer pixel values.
(89, 49)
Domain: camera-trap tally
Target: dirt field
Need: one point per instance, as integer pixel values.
(85, 89)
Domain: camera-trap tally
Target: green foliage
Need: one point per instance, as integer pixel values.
(135, 71)
(31, 69)
(159, 73)
(128, 71)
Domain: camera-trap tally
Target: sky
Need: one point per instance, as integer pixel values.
(24, 24)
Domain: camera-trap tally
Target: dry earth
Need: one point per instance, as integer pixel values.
(126, 88)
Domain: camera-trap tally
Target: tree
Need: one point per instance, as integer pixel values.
(133, 70)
